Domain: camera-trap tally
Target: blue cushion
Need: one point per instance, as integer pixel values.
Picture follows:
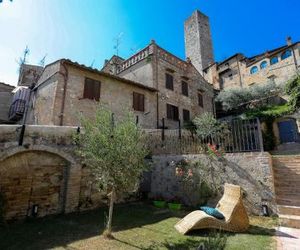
(213, 212)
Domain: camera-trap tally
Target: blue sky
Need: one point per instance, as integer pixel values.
(84, 30)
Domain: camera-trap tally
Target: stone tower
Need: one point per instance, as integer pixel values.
(198, 41)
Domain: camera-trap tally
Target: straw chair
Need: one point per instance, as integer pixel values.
(230, 205)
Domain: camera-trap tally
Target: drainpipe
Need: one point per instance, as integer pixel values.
(65, 76)
(21, 137)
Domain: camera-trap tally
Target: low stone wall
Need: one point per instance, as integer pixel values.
(252, 171)
(44, 171)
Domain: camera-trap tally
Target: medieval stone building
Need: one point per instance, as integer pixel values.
(277, 65)
(67, 89)
(182, 93)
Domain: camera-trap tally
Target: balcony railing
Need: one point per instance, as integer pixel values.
(17, 109)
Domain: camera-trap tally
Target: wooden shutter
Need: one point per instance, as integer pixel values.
(135, 101)
(88, 88)
(169, 81)
(200, 100)
(141, 102)
(91, 89)
(169, 111)
(172, 112)
(97, 86)
(184, 88)
(138, 102)
(186, 115)
(176, 113)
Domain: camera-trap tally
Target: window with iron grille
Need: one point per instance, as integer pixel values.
(186, 115)
(200, 100)
(172, 112)
(138, 102)
(184, 88)
(91, 89)
(169, 81)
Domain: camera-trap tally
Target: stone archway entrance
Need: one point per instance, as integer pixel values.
(33, 178)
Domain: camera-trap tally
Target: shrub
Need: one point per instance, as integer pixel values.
(207, 125)
(292, 89)
(243, 97)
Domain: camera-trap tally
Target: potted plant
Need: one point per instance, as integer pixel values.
(159, 202)
(174, 203)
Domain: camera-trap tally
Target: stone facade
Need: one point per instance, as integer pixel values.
(252, 171)
(58, 97)
(149, 67)
(5, 101)
(237, 71)
(198, 41)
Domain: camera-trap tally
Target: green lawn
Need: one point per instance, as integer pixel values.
(136, 226)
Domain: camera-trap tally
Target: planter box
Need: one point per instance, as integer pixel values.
(174, 206)
(159, 204)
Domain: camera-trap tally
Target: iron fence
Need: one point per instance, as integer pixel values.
(240, 136)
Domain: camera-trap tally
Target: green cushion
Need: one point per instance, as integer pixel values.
(213, 212)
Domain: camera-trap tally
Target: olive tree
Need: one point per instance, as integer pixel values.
(114, 151)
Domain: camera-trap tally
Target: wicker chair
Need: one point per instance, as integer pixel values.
(230, 205)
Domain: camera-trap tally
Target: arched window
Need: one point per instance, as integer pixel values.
(286, 54)
(253, 70)
(274, 60)
(263, 65)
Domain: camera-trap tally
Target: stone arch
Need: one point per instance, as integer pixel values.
(40, 175)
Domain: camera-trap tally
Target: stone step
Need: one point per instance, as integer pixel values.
(286, 202)
(289, 210)
(292, 184)
(289, 221)
(283, 188)
(286, 171)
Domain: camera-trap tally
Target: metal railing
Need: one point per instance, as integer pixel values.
(240, 136)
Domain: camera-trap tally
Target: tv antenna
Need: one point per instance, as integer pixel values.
(117, 41)
(42, 61)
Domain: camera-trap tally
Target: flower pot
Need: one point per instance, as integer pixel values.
(174, 206)
(159, 204)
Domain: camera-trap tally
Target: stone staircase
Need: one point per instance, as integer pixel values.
(286, 170)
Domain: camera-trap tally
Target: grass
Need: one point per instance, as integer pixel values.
(136, 226)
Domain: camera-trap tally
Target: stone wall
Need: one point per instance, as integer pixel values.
(46, 172)
(252, 171)
(5, 100)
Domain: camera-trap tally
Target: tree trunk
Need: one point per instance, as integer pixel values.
(110, 214)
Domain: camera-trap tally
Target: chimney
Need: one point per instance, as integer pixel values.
(289, 41)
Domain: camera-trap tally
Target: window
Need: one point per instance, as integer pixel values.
(263, 65)
(138, 102)
(200, 100)
(230, 76)
(172, 112)
(91, 89)
(253, 70)
(286, 54)
(186, 115)
(185, 88)
(169, 81)
(274, 60)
